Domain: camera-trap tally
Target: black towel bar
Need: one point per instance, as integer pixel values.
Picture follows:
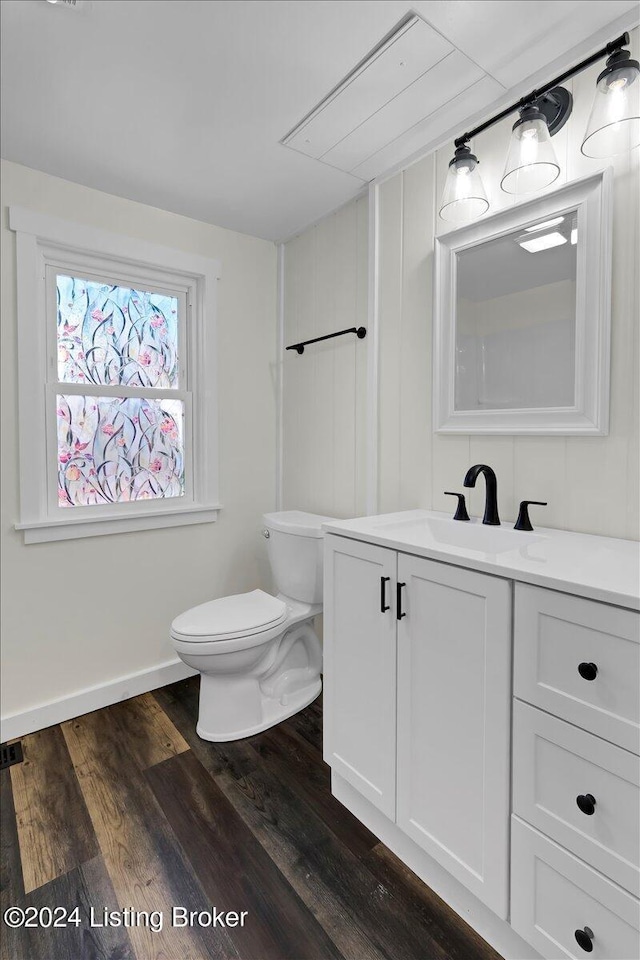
(360, 333)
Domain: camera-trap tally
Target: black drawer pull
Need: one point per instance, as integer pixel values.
(587, 803)
(383, 606)
(399, 613)
(588, 671)
(584, 939)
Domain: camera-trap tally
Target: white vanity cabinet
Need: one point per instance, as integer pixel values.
(482, 717)
(417, 702)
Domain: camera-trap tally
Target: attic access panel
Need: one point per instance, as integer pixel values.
(397, 62)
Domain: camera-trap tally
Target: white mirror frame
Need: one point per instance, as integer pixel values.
(589, 416)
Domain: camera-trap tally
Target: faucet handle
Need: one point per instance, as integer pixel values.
(461, 509)
(523, 522)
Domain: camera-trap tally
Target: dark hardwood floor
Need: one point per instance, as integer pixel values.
(126, 809)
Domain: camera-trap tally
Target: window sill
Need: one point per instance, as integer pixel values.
(44, 531)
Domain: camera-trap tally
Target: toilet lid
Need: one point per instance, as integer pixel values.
(234, 616)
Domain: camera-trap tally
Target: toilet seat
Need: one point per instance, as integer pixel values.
(243, 615)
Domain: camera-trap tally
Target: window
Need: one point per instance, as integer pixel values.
(129, 446)
(119, 334)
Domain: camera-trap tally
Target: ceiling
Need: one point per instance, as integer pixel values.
(182, 105)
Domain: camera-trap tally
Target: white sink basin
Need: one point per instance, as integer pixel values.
(480, 536)
(465, 535)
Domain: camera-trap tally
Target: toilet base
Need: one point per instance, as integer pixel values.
(273, 712)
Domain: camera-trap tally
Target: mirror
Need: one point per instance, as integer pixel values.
(516, 319)
(522, 317)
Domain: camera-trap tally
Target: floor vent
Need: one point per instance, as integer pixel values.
(68, 4)
(10, 753)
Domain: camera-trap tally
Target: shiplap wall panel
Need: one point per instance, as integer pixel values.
(590, 483)
(415, 341)
(324, 390)
(362, 287)
(610, 495)
(343, 350)
(390, 333)
(321, 359)
(299, 298)
(540, 464)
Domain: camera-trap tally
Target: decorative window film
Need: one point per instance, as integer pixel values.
(113, 450)
(110, 334)
(120, 448)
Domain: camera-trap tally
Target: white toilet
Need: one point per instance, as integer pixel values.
(259, 656)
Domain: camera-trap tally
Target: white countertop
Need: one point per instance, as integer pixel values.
(599, 568)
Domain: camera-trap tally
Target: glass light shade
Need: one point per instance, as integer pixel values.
(464, 196)
(531, 160)
(614, 123)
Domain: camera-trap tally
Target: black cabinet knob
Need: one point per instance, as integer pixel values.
(586, 803)
(584, 939)
(588, 671)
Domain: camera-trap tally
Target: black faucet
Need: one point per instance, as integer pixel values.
(491, 501)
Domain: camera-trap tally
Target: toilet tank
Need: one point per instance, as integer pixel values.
(294, 545)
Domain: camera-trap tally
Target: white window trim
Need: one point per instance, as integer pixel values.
(37, 237)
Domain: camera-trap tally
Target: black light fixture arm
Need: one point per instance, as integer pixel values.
(360, 333)
(611, 47)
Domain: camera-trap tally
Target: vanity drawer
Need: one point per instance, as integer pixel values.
(553, 895)
(554, 635)
(553, 764)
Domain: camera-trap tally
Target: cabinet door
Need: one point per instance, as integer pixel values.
(454, 700)
(360, 668)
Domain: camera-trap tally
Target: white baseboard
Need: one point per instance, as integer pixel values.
(92, 698)
(495, 931)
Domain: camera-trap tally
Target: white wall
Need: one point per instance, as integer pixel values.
(81, 613)
(324, 414)
(591, 484)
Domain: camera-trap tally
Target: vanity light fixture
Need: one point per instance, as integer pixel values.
(531, 160)
(614, 126)
(464, 196)
(614, 122)
(545, 242)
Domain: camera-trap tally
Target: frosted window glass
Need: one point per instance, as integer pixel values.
(114, 450)
(115, 335)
